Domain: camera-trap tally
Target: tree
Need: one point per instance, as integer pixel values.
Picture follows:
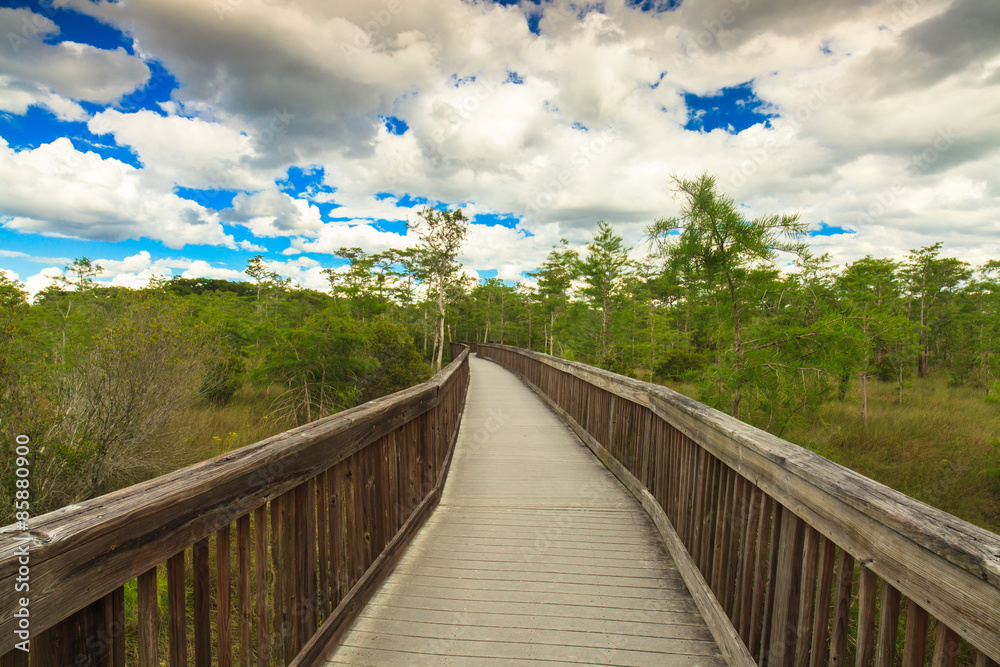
(603, 270)
(555, 281)
(870, 291)
(715, 243)
(442, 235)
(145, 365)
(931, 279)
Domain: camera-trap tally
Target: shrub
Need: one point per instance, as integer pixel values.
(678, 365)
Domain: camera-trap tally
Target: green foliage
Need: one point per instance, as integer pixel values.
(188, 286)
(441, 235)
(222, 377)
(679, 365)
(603, 271)
(716, 252)
(109, 380)
(395, 363)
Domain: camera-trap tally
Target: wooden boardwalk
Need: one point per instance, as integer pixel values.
(535, 555)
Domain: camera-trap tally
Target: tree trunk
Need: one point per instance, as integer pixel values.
(652, 344)
(529, 328)
(922, 357)
(738, 333)
(864, 396)
(441, 312)
(900, 384)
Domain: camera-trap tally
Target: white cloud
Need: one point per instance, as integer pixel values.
(188, 152)
(272, 213)
(36, 283)
(57, 190)
(357, 233)
(594, 131)
(53, 75)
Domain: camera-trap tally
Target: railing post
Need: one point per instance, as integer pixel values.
(92, 636)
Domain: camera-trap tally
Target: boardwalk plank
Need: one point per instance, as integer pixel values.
(536, 555)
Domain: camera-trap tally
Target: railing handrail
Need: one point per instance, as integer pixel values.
(951, 567)
(82, 552)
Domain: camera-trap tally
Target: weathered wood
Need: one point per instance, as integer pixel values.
(945, 647)
(772, 580)
(341, 566)
(740, 508)
(116, 626)
(353, 535)
(322, 536)
(287, 568)
(261, 586)
(223, 598)
(821, 615)
(83, 552)
(747, 563)
(728, 640)
(85, 637)
(807, 598)
(177, 611)
(781, 649)
(866, 617)
(243, 566)
(702, 518)
(347, 610)
(842, 609)
(952, 566)
(983, 660)
(309, 596)
(15, 658)
(280, 623)
(885, 654)
(202, 606)
(915, 640)
(149, 619)
(485, 569)
(756, 627)
(319, 645)
(721, 545)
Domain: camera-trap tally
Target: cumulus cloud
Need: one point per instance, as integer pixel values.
(57, 190)
(272, 213)
(54, 75)
(188, 152)
(882, 118)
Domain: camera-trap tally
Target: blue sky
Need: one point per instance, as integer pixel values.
(166, 139)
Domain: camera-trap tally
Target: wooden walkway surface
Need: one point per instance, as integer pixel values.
(535, 555)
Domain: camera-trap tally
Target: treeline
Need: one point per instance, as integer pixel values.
(109, 382)
(766, 330)
(104, 379)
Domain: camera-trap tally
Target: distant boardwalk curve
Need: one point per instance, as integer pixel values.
(535, 555)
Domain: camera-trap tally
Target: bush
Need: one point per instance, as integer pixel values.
(397, 362)
(678, 365)
(222, 379)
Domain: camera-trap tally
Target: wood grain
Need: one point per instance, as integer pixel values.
(149, 619)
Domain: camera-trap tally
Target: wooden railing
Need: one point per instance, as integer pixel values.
(793, 559)
(269, 551)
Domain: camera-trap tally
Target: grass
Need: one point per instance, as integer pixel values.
(206, 431)
(942, 446)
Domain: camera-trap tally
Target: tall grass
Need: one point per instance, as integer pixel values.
(942, 446)
(203, 431)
